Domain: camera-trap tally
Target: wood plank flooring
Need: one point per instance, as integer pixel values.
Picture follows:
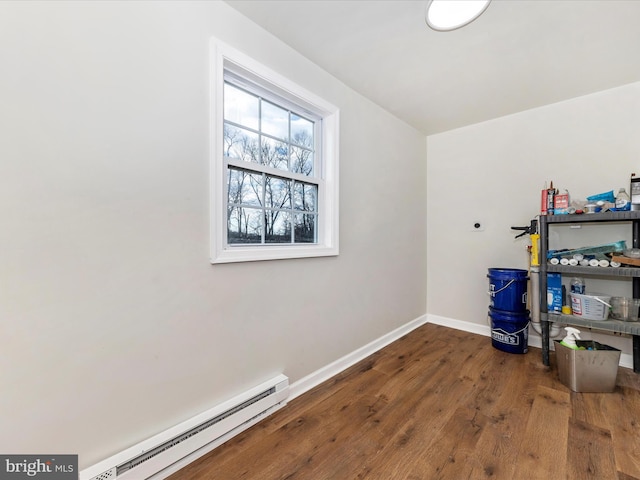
(440, 404)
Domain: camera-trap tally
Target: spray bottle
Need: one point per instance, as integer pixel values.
(569, 341)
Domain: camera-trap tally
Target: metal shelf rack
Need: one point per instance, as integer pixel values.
(630, 328)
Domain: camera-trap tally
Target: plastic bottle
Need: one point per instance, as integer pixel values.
(623, 201)
(569, 341)
(577, 285)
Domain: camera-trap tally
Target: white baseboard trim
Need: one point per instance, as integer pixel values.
(314, 379)
(470, 327)
(626, 359)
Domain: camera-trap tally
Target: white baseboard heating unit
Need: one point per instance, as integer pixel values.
(167, 452)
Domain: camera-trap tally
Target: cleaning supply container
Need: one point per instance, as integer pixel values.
(590, 306)
(592, 368)
(509, 330)
(508, 289)
(573, 335)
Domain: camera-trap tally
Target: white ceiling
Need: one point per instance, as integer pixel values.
(519, 54)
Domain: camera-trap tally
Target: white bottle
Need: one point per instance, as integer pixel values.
(573, 334)
(623, 202)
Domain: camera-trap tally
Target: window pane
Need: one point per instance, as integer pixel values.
(277, 192)
(305, 196)
(301, 131)
(240, 143)
(305, 228)
(244, 187)
(240, 107)
(244, 225)
(275, 121)
(275, 153)
(302, 161)
(278, 227)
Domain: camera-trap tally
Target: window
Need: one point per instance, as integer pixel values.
(274, 165)
(269, 150)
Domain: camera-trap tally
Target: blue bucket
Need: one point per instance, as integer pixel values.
(508, 289)
(509, 330)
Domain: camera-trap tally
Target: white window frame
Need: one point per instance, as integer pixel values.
(225, 57)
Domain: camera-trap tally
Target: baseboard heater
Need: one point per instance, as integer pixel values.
(179, 445)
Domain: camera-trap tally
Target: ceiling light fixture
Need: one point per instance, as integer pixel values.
(446, 15)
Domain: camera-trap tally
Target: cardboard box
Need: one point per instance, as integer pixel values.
(554, 292)
(561, 204)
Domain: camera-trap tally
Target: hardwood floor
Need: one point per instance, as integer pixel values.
(440, 404)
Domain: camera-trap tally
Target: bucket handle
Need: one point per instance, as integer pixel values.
(503, 288)
(522, 329)
(602, 301)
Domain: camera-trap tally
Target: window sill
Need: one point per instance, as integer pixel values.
(261, 253)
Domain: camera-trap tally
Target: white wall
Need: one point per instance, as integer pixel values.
(493, 172)
(114, 325)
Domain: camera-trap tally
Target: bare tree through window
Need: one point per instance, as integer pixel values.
(266, 207)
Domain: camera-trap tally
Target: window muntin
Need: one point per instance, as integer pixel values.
(262, 209)
(264, 206)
